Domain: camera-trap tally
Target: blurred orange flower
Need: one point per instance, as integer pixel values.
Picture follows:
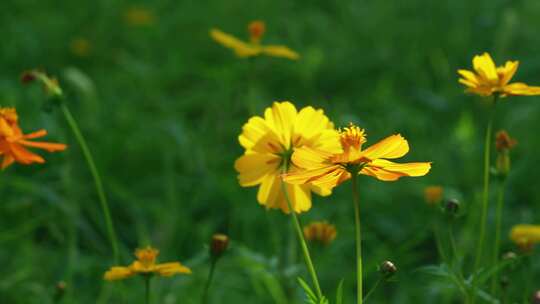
(328, 170)
(503, 141)
(13, 142)
(488, 79)
(252, 48)
(146, 265)
(433, 194)
(322, 232)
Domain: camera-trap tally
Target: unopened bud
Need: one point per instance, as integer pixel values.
(388, 269)
(535, 299)
(503, 163)
(60, 291)
(452, 206)
(219, 245)
(27, 77)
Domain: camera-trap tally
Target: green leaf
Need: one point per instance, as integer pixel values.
(339, 293)
(311, 297)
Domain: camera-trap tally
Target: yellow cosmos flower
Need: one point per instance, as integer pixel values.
(322, 232)
(269, 142)
(327, 170)
(487, 79)
(433, 195)
(525, 236)
(252, 48)
(146, 265)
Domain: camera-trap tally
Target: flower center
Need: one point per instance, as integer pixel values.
(352, 137)
(256, 30)
(147, 256)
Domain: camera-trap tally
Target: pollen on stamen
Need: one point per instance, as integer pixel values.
(352, 136)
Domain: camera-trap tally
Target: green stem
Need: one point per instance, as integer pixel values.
(95, 174)
(303, 244)
(460, 281)
(485, 197)
(373, 288)
(204, 298)
(498, 220)
(147, 279)
(358, 239)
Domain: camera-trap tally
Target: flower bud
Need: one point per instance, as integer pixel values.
(503, 163)
(27, 77)
(219, 245)
(535, 299)
(452, 206)
(256, 30)
(387, 269)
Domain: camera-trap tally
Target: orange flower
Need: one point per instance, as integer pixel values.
(13, 142)
(328, 170)
(503, 141)
(322, 232)
(433, 195)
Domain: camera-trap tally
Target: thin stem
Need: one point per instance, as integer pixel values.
(373, 288)
(303, 244)
(460, 279)
(204, 298)
(498, 220)
(485, 196)
(147, 289)
(95, 174)
(358, 239)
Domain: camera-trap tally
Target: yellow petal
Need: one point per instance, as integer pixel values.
(269, 191)
(241, 48)
(257, 135)
(281, 118)
(253, 167)
(387, 170)
(485, 67)
(118, 273)
(308, 158)
(468, 76)
(393, 146)
(169, 269)
(518, 88)
(507, 72)
(280, 51)
(300, 196)
(525, 234)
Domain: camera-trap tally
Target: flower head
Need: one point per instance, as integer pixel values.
(218, 245)
(321, 232)
(269, 142)
(146, 265)
(252, 48)
(503, 141)
(328, 170)
(488, 79)
(525, 236)
(13, 142)
(433, 195)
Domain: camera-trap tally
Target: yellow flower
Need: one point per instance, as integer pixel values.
(487, 79)
(146, 265)
(433, 194)
(269, 141)
(322, 232)
(252, 48)
(80, 47)
(138, 16)
(327, 170)
(525, 236)
(14, 143)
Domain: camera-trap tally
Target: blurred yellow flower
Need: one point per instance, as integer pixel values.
(269, 142)
(327, 170)
(138, 16)
(13, 142)
(252, 48)
(322, 232)
(487, 79)
(433, 195)
(146, 265)
(525, 236)
(80, 47)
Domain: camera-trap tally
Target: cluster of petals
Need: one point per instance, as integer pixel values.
(488, 79)
(525, 236)
(320, 231)
(14, 143)
(253, 47)
(146, 265)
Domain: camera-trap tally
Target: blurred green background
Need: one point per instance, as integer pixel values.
(162, 105)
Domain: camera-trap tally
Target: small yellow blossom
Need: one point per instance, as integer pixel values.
(138, 16)
(269, 142)
(14, 143)
(80, 47)
(328, 170)
(322, 232)
(488, 79)
(252, 48)
(146, 265)
(525, 236)
(433, 195)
